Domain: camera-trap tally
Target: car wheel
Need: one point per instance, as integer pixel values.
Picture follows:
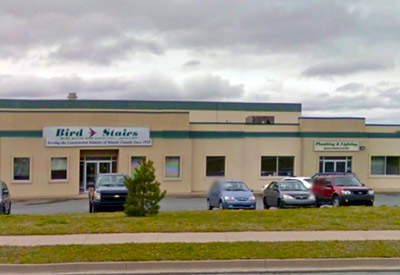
(209, 207)
(369, 204)
(3, 210)
(280, 204)
(335, 201)
(317, 204)
(9, 210)
(221, 205)
(266, 206)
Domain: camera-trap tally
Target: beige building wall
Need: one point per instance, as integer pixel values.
(310, 158)
(383, 147)
(242, 159)
(332, 125)
(243, 153)
(240, 116)
(157, 121)
(40, 184)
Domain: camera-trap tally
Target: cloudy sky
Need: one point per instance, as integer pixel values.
(337, 58)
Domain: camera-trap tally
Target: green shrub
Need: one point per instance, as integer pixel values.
(144, 192)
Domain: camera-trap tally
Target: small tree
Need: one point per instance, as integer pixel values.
(144, 192)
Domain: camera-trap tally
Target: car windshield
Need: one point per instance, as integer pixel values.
(292, 186)
(111, 180)
(346, 181)
(235, 186)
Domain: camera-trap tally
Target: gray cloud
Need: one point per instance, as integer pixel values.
(103, 52)
(342, 69)
(191, 64)
(101, 32)
(151, 87)
(351, 87)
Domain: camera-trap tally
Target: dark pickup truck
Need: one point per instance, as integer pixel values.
(108, 193)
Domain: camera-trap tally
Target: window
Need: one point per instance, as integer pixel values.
(276, 166)
(215, 166)
(22, 169)
(135, 162)
(385, 165)
(58, 168)
(172, 167)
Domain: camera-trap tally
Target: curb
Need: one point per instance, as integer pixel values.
(218, 266)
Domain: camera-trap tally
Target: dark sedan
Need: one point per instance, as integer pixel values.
(109, 192)
(287, 193)
(5, 202)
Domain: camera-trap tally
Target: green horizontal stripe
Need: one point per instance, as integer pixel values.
(21, 134)
(233, 134)
(170, 134)
(147, 105)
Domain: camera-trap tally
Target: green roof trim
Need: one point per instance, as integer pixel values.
(233, 134)
(148, 105)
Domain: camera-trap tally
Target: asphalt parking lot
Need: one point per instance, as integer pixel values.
(175, 203)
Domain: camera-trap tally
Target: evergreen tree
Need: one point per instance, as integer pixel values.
(144, 192)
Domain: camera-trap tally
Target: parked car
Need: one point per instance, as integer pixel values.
(5, 201)
(230, 194)
(306, 181)
(109, 192)
(341, 189)
(287, 193)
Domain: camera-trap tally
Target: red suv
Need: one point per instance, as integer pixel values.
(341, 189)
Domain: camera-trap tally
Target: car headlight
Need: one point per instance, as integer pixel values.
(370, 192)
(97, 195)
(346, 192)
(252, 198)
(229, 198)
(287, 197)
(311, 197)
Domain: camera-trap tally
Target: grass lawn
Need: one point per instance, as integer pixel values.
(191, 251)
(343, 218)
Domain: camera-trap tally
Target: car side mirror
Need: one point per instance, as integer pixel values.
(328, 186)
(90, 185)
(275, 189)
(362, 184)
(5, 192)
(252, 190)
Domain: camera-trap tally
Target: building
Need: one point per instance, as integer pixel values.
(53, 148)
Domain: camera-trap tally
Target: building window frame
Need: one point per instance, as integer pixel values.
(385, 175)
(13, 169)
(276, 166)
(130, 162)
(165, 170)
(67, 171)
(225, 166)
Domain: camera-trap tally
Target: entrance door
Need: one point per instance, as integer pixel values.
(91, 172)
(94, 168)
(104, 167)
(341, 166)
(91, 166)
(335, 164)
(329, 166)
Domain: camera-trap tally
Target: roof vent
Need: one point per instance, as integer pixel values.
(260, 119)
(72, 96)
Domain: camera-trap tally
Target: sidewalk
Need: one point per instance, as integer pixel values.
(199, 237)
(211, 266)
